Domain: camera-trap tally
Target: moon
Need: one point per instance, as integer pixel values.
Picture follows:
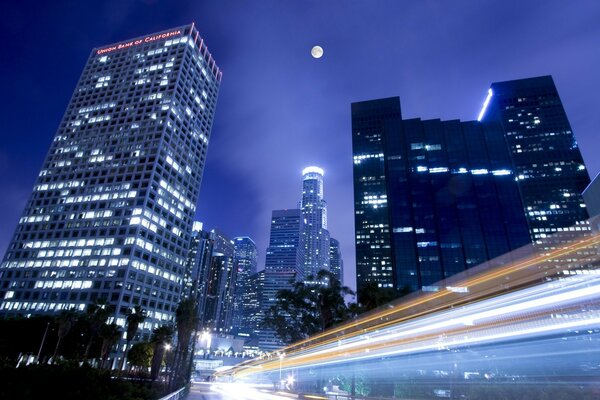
(317, 52)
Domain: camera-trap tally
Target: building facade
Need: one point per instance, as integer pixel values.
(336, 263)
(220, 286)
(111, 212)
(432, 198)
(286, 242)
(547, 163)
(244, 261)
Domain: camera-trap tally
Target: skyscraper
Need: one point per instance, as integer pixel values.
(198, 266)
(432, 198)
(220, 285)
(314, 213)
(110, 215)
(336, 264)
(244, 261)
(546, 159)
(286, 242)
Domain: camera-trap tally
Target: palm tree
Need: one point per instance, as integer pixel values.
(186, 319)
(110, 335)
(161, 337)
(135, 316)
(96, 315)
(66, 319)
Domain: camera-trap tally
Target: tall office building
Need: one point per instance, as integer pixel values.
(435, 197)
(314, 213)
(546, 159)
(336, 263)
(220, 285)
(198, 266)
(286, 242)
(244, 261)
(432, 198)
(110, 215)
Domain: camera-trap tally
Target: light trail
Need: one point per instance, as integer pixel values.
(480, 306)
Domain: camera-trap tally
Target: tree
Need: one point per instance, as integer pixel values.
(65, 320)
(371, 296)
(308, 308)
(161, 337)
(96, 315)
(110, 335)
(140, 355)
(186, 320)
(135, 316)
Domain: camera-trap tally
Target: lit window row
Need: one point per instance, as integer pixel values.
(63, 284)
(18, 305)
(102, 106)
(69, 243)
(34, 218)
(59, 185)
(106, 251)
(359, 158)
(105, 196)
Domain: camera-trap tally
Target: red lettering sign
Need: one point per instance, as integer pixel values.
(147, 39)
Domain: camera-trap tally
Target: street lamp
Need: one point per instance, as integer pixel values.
(281, 355)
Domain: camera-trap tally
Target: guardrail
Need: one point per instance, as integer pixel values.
(177, 395)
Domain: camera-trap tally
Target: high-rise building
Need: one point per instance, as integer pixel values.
(198, 267)
(220, 286)
(253, 320)
(273, 282)
(244, 261)
(547, 163)
(314, 213)
(336, 263)
(432, 198)
(110, 215)
(286, 242)
(435, 197)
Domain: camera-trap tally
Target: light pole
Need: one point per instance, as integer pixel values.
(44, 339)
(281, 355)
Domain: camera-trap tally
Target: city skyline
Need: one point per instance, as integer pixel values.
(257, 150)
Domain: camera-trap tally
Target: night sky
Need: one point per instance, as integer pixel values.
(279, 110)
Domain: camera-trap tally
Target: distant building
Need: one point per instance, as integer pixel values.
(245, 260)
(274, 281)
(336, 264)
(286, 242)
(110, 215)
(314, 213)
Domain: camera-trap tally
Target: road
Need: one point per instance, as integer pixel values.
(234, 391)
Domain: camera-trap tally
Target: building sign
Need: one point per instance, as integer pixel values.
(136, 42)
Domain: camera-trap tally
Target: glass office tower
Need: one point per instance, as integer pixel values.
(547, 162)
(336, 263)
(432, 198)
(110, 215)
(314, 213)
(244, 261)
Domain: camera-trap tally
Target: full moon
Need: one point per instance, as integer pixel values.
(317, 52)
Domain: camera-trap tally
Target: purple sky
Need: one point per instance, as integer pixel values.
(280, 110)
